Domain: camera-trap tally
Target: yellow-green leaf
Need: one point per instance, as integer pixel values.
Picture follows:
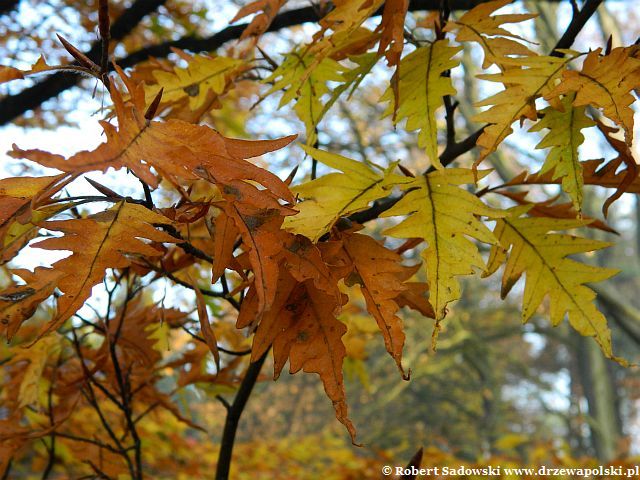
(421, 87)
(607, 82)
(527, 79)
(335, 195)
(543, 257)
(444, 215)
(203, 75)
(307, 87)
(564, 138)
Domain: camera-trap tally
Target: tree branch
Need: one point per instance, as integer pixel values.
(577, 24)
(234, 411)
(8, 6)
(31, 98)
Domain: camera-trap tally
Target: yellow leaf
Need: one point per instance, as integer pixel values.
(37, 356)
(478, 25)
(306, 86)
(203, 75)
(421, 87)
(607, 82)
(543, 257)
(444, 215)
(336, 195)
(534, 77)
(564, 138)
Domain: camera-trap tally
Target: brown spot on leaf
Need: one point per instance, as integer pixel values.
(192, 90)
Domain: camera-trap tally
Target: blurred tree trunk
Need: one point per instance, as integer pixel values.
(600, 392)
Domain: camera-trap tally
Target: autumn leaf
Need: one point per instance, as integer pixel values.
(20, 211)
(141, 145)
(224, 234)
(19, 302)
(103, 240)
(594, 172)
(205, 327)
(304, 261)
(311, 341)
(564, 138)
(304, 86)
(9, 73)
(551, 209)
(345, 19)
(528, 79)
(606, 82)
(265, 11)
(36, 358)
(421, 86)
(380, 274)
(444, 215)
(261, 235)
(202, 77)
(479, 26)
(543, 257)
(392, 27)
(336, 195)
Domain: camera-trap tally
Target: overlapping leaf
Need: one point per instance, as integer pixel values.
(594, 172)
(265, 11)
(381, 276)
(141, 146)
(479, 26)
(564, 138)
(20, 212)
(421, 86)
(529, 79)
(543, 257)
(104, 240)
(444, 215)
(606, 82)
(306, 85)
(335, 195)
(203, 78)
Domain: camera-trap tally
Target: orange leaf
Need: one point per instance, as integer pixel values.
(224, 233)
(259, 24)
(380, 274)
(177, 150)
(392, 27)
(205, 326)
(103, 240)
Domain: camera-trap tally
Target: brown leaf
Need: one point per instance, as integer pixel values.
(380, 274)
(392, 26)
(266, 11)
(550, 209)
(205, 326)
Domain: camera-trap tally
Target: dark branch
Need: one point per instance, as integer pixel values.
(577, 24)
(234, 411)
(31, 98)
(7, 6)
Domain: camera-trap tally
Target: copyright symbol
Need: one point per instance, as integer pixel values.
(387, 470)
